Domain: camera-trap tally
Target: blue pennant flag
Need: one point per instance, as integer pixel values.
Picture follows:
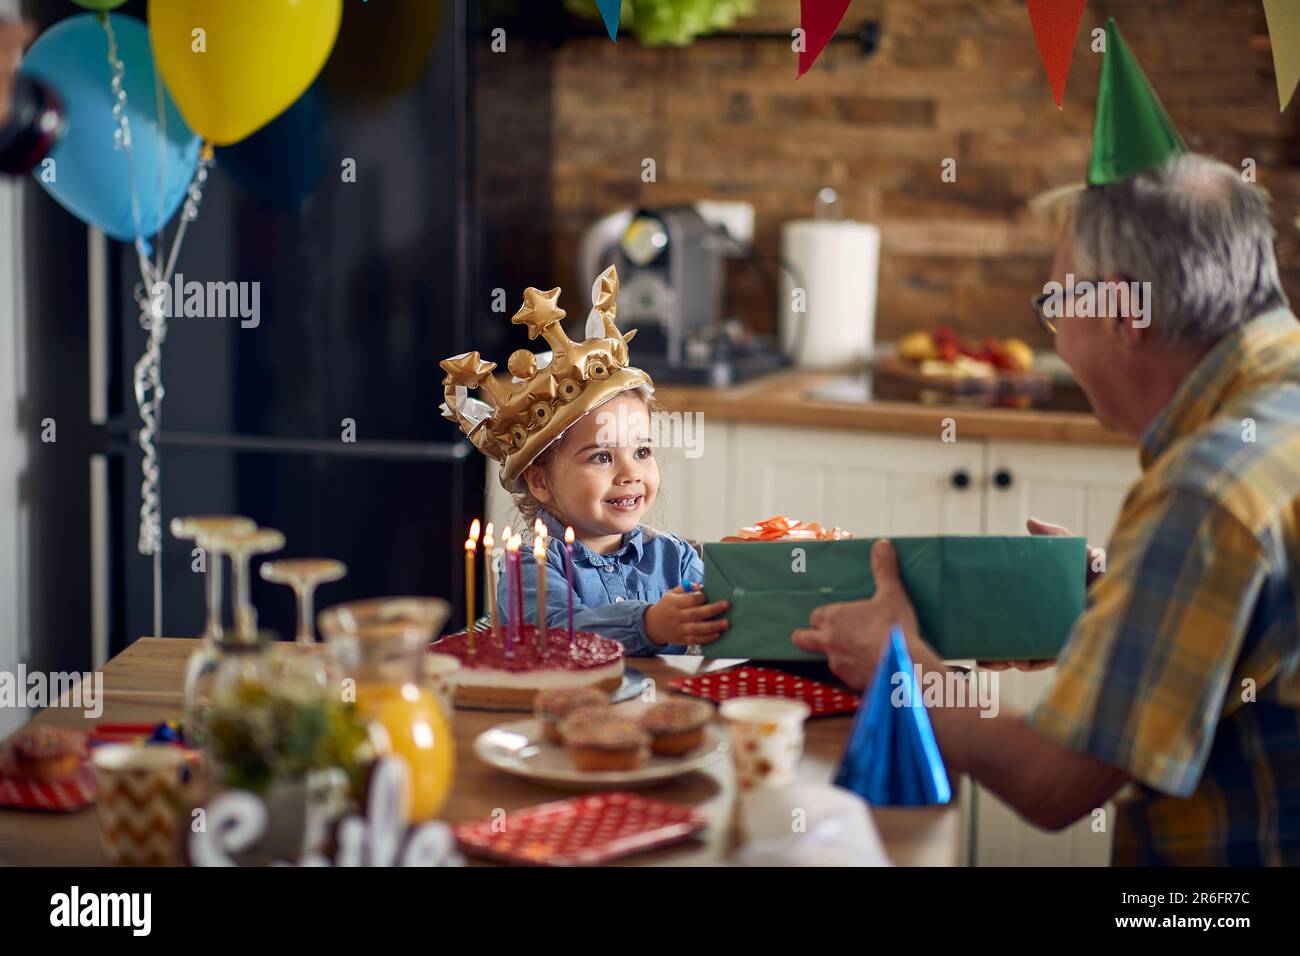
(610, 10)
(892, 758)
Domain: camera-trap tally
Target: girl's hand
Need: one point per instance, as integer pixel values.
(682, 617)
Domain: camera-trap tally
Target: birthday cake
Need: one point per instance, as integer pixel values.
(508, 674)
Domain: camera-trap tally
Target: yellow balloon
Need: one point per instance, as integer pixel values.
(232, 66)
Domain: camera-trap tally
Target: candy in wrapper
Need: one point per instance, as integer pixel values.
(892, 758)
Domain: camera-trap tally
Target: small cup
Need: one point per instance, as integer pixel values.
(140, 802)
(441, 673)
(766, 739)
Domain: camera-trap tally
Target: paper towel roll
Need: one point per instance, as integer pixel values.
(838, 263)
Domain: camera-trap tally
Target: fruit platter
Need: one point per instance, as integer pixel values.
(943, 361)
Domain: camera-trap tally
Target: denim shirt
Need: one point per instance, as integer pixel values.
(611, 592)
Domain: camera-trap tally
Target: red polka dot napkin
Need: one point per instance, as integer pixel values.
(582, 831)
(824, 699)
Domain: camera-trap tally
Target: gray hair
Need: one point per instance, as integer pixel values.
(1197, 232)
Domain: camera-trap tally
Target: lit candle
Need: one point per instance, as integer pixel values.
(514, 592)
(490, 559)
(471, 560)
(568, 575)
(519, 584)
(539, 557)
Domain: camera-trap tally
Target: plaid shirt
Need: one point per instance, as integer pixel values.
(1184, 670)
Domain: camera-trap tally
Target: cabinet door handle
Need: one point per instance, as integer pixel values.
(1003, 478)
(960, 479)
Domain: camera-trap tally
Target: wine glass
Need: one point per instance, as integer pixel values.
(205, 531)
(241, 547)
(303, 575)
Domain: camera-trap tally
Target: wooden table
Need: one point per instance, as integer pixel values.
(144, 684)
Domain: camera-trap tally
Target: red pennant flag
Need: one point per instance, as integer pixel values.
(1056, 24)
(819, 20)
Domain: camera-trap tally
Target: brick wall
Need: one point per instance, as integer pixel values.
(726, 119)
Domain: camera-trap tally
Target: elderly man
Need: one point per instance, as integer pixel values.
(1182, 677)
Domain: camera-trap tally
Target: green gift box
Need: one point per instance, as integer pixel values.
(989, 598)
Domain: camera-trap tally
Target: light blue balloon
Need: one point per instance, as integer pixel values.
(90, 177)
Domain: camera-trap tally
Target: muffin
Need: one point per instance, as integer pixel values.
(676, 726)
(585, 717)
(44, 754)
(598, 739)
(552, 706)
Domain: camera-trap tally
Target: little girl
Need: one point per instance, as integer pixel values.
(633, 584)
(572, 432)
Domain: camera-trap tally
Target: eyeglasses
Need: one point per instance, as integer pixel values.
(1038, 303)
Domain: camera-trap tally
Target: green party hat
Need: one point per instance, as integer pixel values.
(1132, 132)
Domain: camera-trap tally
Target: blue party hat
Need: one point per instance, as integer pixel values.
(892, 758)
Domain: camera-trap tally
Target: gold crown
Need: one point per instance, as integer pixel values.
(522, 417)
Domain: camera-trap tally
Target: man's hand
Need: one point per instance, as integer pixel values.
(852, 634)
(14, 37)
(1095, 556)
(682, 617)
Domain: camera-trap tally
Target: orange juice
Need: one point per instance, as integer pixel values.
(418, 734)
(380, 644)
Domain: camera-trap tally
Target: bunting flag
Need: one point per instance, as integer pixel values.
(1056, 25)
(610, 10)
(1131, 132)
(892, 758)
(1283, 18)
(819, 20)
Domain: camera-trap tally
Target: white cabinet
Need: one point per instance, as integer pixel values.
(869, 484)
(695, 486)
(1078, 486)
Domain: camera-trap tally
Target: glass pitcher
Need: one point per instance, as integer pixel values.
(376, 650)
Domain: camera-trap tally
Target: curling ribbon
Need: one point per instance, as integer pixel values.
(1056, 25)
(819, 20)
(147, 377)
(147, 373)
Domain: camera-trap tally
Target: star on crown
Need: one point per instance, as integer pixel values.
(516, 411)
(540, 311)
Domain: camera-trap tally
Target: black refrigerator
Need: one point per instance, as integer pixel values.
(376, 218)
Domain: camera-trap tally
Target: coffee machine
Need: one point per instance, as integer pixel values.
(672, 275)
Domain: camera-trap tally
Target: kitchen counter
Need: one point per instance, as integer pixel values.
(783, 399)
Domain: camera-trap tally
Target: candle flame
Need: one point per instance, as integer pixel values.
(488, 540)
(568, 535)
(471, 543)
(539, 529)
(512, 541)
(539, 548)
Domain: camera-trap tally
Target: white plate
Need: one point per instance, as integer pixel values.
(519, 748)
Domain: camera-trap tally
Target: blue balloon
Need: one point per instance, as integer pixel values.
(89, 176)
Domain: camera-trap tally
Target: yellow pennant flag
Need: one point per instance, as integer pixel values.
(1284, 35)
